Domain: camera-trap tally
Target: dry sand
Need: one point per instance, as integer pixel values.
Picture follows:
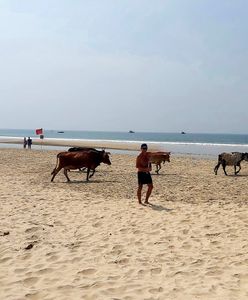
(91, 240)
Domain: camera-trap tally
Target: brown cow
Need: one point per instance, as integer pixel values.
(75, 149)
(157, 158)
(80, 159)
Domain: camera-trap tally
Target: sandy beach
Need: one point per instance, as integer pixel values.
(91, 240)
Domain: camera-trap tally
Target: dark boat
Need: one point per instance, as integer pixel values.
(61, 132)
(182, 132)
(130, 131)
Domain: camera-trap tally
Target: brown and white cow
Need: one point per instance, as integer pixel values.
(80, 159)
(157, 158)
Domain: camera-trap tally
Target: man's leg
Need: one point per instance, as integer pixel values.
(149, 191)
(139, 193)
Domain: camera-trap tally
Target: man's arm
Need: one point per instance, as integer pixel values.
(137, 162)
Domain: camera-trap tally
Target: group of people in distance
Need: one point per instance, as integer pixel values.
(27, 142)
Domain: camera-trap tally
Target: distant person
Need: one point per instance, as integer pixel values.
(25, 143)
(144, 177)
(29, 142)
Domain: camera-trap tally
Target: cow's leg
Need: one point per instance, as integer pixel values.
(88, 173)
(55, 172)
(236, 172)
(66, 175)
(224, 167)
(93, 172)
(157, 169)
(216, 168)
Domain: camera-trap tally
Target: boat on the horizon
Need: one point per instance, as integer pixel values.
(130, 131)
(61, 132)
(182, 132)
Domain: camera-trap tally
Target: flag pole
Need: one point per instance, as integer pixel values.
(41, 137)
(39, 132)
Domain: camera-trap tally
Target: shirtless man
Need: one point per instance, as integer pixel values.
(144, 176)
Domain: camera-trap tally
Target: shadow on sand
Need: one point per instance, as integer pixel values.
(93, 181)
(237, 175)
(86, 182)
(163, 174)
(157, 207)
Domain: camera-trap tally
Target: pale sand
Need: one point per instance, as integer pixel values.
(93, 241)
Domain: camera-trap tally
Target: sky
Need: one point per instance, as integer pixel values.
(119, 65)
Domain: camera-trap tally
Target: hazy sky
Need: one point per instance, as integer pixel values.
(160, 65)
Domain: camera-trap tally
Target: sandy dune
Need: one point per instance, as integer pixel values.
(91, 240)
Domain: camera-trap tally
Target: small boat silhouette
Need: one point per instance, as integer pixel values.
(130, 131)
(61, 132)
(182, 132)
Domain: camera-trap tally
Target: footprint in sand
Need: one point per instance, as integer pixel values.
(156, 290)
(29, 282)
(97, 224)
(34, 296)
(123, 230)
(2, 260)
(116, 277)
(32, 229)
(52, 256)
(122, 261)
(89, 271)
(115, 252)
(186, 245)
(142, 272)
(44, 271)
(117, 247)
(155, 271)
(185, 231)
(65, 287)
(214, 272)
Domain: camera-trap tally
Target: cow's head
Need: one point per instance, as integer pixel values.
(105, 158)
(166, 158)
(245, 156)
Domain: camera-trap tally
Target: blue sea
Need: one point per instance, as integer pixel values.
(178, 143)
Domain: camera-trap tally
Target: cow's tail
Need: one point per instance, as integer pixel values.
(56, 165)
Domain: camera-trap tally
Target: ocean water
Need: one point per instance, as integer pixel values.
(189, 143)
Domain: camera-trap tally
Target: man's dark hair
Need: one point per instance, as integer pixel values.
(143, 146)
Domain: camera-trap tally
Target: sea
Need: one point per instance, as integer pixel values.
(197, 144)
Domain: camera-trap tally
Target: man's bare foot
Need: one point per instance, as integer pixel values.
(147, 202)
(139, 202)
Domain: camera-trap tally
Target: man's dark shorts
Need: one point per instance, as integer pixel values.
(144, 178)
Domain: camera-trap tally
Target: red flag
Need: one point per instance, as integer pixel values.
(39, 131)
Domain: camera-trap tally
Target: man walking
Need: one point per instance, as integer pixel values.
(144, 177)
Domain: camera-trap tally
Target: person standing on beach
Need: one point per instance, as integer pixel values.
(144, 177)
(29, 142)
(24, 143)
